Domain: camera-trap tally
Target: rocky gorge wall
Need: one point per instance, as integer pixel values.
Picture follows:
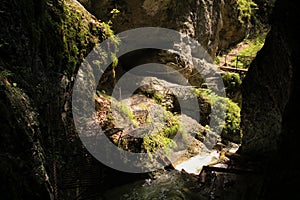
(42, 43)
(214, 24)
(271, 105)
(270, 85)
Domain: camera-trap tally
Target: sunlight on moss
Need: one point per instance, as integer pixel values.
(161, 139)
(246, 10)
(231, 128)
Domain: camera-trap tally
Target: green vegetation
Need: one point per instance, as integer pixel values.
(254, 45)
(155, 95)
(161, 139)
(5, 74)
(77, 34)
(74, 32)
(231, 129)
(247, 54)
(114, 12)
(109, 33)
(157, 142)
(232, 82)
(126, 112)
(246, 10)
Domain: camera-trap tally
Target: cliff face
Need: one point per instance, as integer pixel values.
(271, 104)
(39, 54)
(270, 85)
(43, 42)
(214, 24)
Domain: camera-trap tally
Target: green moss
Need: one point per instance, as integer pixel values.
(161, 139)
(231, 129)
(254, 45)
(74, 32)
(108, 31)
(232, 82)
(155, 95)
(79, 36)
(246, 10)
(172, 125)
(247, 54)
(247, 51)
(123, 108)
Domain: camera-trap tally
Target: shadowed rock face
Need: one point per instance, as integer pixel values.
(271, 104)
(35, 88)
(270, 84)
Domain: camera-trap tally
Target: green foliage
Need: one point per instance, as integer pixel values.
(217, 60)
(109, 34)
(231, 128)
(155, 95)
(249, 52)
(152, 143)
(158, 97)
(161, 139)
(254, 45)
(123, 108)
(114, 64)
(172, 125)
(5, 74)
(78, 35)
(73, 36)
(114, 11)
(246, 10)
(232, 82)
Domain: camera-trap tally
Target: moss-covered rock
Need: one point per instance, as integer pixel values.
(232, 83)
(42, 44)
(228, 123)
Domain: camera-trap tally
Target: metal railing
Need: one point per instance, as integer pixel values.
(234, 66)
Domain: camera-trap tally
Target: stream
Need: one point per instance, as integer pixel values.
(183, 182)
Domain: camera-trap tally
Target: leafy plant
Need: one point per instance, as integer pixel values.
(5, 74)
(109, 34)
(246, 10)
(246, 55)
(231, 128)
(232, 82)
(114, 11)
(157, 142)
(254, 45)
(123, 108)
(161, 139)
